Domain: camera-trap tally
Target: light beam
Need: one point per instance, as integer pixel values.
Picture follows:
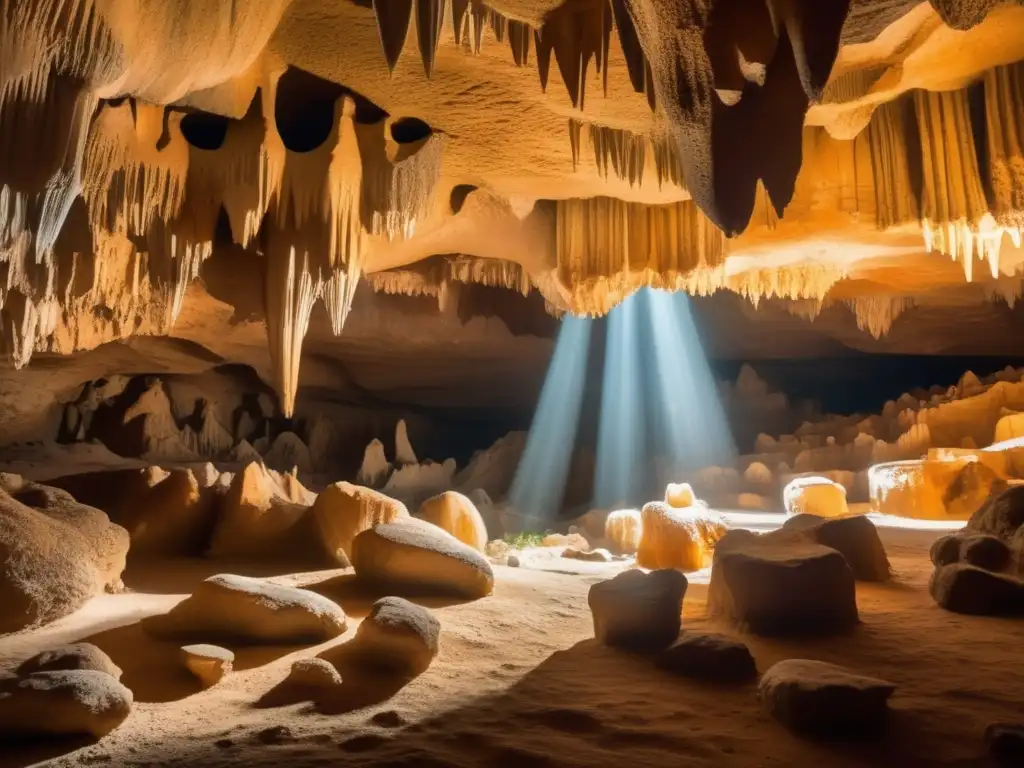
(539, 485)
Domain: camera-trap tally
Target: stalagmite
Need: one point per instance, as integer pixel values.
(404, 454)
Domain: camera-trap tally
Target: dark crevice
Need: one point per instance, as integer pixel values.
(204, 130)
(409, 130)
(459, 194)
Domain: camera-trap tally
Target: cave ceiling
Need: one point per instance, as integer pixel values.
(281, 153)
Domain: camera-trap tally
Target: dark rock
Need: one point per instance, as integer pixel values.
(638, 611)
(712, 657)
(63, 703)
(964, 588)
(68, 657)
(1006, 742)
(985, 552)
(855, 537)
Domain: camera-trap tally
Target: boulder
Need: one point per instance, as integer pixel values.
(677, 538)
(987, 552)
(964, 588)
(343, 510)
(823, 700)
(779, 586)
(62, 703)
(1006, 742)
(313, 674)
(55, 554)
(415, 556)
(638, 611)
(591, 556)
(574, 540)
(70, 657)
(455, 513)
(712, 657)
(855, 537)
(250, 612)
(815, 496)
(209, 663)
(622, 530)
(396, 637)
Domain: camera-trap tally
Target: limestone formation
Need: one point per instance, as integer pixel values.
(679, 495)
(343, 510)
(455, 513)
(677, 538)
(824, 700)
(397, 637)
(209, 663)
(772, 586)
(815, 496)
(638, 611)
(57, 553)
(622, 529)
(250, 611)
(62, 703)
(417, 557)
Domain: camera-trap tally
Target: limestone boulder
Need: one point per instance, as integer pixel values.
(855, 537)
(677, 538)
(344, 510)
(824, 700)
(314, 674)
(590, 556)
(246, 611)
(76, 656)
(778, 586)
(62, 703)
(815, 496)
(711, 657)
(55, 554)
(638, 611)
(455, 513)
(679, 495)
(209, 663)
(396, 637)
(964, 588)
(416, 557)
(622, 530)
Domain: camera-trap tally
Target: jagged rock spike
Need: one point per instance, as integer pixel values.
(519, 34)
(543, 58)
(575, 128)
(814, 29)
(459, 8)
(429, 21)
(393, 17)
(477, 19)
(498, 24)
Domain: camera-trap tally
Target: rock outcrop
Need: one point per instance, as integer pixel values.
(638, 611)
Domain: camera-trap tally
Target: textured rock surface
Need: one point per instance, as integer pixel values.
(854, 537)
(638, 611)
(716, 658)
(458, 515)
(250, 612)
(418, 557)
(84, 656)
(343, 510)
(63, 703)
(674, 537)
(781, 587)
(209, 663)
(824, 700)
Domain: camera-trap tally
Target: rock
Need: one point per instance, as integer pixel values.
(1002, 515)
(512, 562)
(415, 555)
(757, 477)
(404, 454)
(985, 552)
(313, 673)
(824, 700)
(84, 656)
(397, 636)
(775, 586)
(455, 513)
(1006, 742)
(250, 611)
(574, 540)
(375, 467)
(638, 611)
(593, 556)
(208, 662)
(679, 495)
(964, 588)
(343, 510)
(259, 515)
(815, 496)
(63, 703)
(289, 454)
(855, 537)
(622, 530)
(677, 538)
(712, 657)
(55, 554)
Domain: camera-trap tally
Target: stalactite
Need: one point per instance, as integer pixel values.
(495, 273)
(624, 151)
(1004, 119)
(851, 86)
(399, 180)
(666, 162)
(876, 314)
(459, 19)
(429, 20)
(1008, 290)
(404, 282)
(954, 213)
(173, 263)
(894, 196)
(519, 35)
(575, 131)
(607, 248)
(808, 309)
(393, 17)
(791, 281)
(576, 34)
(129, 179)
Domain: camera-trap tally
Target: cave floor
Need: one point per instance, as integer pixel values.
(520, 682)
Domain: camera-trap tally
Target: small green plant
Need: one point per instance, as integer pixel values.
(525, 539)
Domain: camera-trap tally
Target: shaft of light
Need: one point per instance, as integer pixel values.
(619, 475)
(539, 485)
(691, 425)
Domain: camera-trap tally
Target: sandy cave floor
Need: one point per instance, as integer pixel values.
(520, 682)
